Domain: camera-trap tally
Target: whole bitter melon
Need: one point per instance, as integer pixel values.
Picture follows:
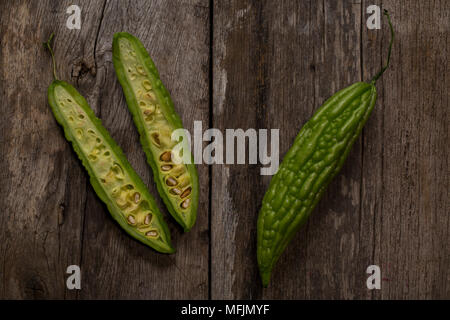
(317, 155)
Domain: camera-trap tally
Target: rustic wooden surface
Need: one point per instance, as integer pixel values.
(230, 64)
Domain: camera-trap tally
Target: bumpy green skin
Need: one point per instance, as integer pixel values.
(317, 155)
(169, 118)
(162, 243)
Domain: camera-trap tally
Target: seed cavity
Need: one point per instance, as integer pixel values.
(149, 118)
(81, 116)
(140, 70)
(175, 191)
(122, 203)
(142, 104)
(131, 219)
(186, 193)
(79, 132)
(117, 170)
(166, 167)
(107, 154)
(128, 187)
(185, 204)
(151, 96)
(147, 85)
(178, 171)
(152, 233)
(166, 156)
(115, 192)
(171, 182)
(155, 139)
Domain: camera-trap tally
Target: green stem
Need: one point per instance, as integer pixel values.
(48, 46)
(374, 79)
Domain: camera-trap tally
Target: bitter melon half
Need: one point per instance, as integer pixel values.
(317, 155)
(154, 115)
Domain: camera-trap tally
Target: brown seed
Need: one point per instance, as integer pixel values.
(166, 167)
(166, 156)
(147, 112)
(131, 219)
(137, 197)
(185, 204)
(186, 193)
(152, 233)
(175, 191)
(171, 182)
(147, 219)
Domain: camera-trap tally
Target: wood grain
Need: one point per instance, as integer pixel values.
(405, 184)
(230, 64)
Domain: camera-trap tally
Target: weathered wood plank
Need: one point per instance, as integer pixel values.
(332, 234)
(237, 103)
(278, 43)
(115, 265)
(406, 154)
(43, 184)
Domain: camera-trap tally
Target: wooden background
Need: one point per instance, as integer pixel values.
(230, 64)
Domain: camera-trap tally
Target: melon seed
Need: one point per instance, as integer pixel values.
(131, 219)
(166, 156)
(152, 233)
(175, 191)
(171, 182)
(185, 204)
(186, 193)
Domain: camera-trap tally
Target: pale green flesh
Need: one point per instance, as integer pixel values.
(158, 129)
(108, 168)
